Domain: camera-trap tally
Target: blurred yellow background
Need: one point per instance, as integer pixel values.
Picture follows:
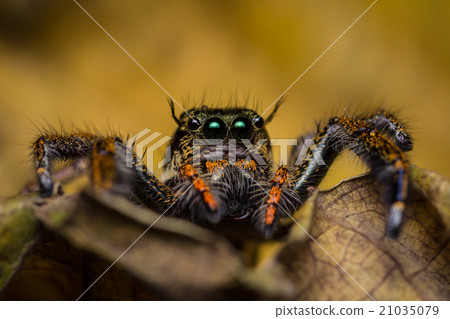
(57, 67)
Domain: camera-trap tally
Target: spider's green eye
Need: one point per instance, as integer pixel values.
(242, 128)
(214, 125)
(193, 123)
(239, 124)
(215, 128)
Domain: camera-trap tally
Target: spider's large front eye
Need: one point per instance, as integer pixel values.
(215, 128)
(193, 124)
(242, 128)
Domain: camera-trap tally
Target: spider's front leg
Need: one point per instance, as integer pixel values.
(50, 147)
(109, 172)
(108, 169)
(386, 123)
(385, 158)
(290, 188)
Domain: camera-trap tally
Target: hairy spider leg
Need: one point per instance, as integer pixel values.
(103, 164)
(284, 190)
(150, 191)
(313, 168)
(319, 155)
(109, 172)
(108, 169)
(386, 160)
(50, 147)
(389, 165)
(386, 123)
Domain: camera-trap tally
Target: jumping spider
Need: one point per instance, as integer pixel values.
(236, 185)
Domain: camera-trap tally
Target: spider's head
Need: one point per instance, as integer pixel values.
(218, 129)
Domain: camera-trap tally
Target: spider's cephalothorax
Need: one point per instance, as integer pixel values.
(221, 166)
(228, 151)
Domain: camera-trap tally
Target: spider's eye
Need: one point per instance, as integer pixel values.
(193, 124)
(242, 128)
(258, 122)
(214, 128)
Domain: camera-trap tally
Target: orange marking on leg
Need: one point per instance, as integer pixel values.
(399, 164)
(281, 176)
(201, 186)
(190, 173)
(275, 195)
(209, 199)
(103, 164)
(38, 148)
(270, 215)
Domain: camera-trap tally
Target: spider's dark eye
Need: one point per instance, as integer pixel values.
(214, 128)
(193, 123)
(242, 128)
(258, 121)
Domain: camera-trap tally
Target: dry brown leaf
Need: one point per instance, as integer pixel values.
(178, 259)
(347, 223)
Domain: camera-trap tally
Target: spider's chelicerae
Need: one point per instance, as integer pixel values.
(230, 175)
